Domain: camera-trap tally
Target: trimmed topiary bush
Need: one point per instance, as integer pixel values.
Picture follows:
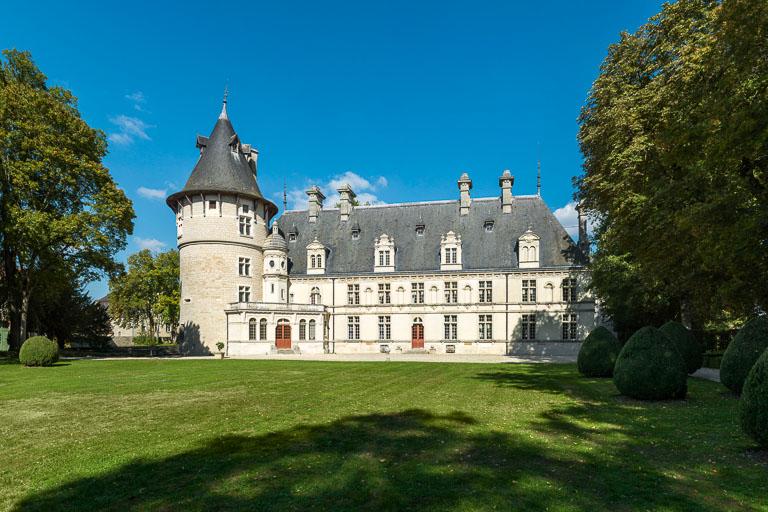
(39, 351)
(650, 367)
(686, 343)
(598, 353)
(742, 353)
(753, 406)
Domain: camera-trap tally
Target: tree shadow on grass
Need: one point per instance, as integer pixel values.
(412, 460)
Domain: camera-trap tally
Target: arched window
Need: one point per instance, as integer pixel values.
(312, 260)
(311, 329)
(533, 253)
(314, 296)
(263, 329)
(252, 329)
(549, 292)
(524, 253)
(302, 329)
(319, 261)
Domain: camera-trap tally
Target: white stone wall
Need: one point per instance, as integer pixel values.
(210, 245)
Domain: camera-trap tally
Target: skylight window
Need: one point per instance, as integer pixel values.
(488, 226)
(355, 234)
(420, 230)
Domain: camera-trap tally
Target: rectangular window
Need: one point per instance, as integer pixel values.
(384, 293)
(244, 208)
(385, 328)
(529, 291)
(384, 259)
(353, 294)
(312, 324)
(486, 291)
(528, 323)
(451, 255)
(353, 327)
(244, 294)
(450, 325)
(451, 292)
(244, 266)
(245, 225)
(302, 330)
(569, 326)
(211, 205)
(485, 327)
(569, 289)
(417, 293)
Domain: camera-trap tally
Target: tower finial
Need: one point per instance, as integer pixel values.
(538, 178)
(285, 196)
(223, 114)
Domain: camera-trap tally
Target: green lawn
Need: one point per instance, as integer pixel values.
(273, 435)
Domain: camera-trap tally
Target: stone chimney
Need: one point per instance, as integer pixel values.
(583, 236)
(314, 203)
(346, 197)
(465, 185)
(506, 180)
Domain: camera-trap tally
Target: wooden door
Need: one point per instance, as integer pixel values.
(283, 336)
(417, 336)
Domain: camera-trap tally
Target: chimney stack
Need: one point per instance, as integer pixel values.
(583, 236)
(346, 197)
(315, 202)
(465, 185)
(506, 180)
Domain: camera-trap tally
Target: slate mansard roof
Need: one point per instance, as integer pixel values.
(481, 250)
(223, 165)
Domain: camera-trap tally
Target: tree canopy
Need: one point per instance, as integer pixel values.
(148, 292)
(674, 135)
(59, 205)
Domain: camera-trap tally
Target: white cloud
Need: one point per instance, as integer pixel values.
(152, 244)
(128, 129)
(569, 218)
(365, 190)
(152, 193)
(138, 100)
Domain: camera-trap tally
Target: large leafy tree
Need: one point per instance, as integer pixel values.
(675, 142)
(58, 203)
(148, 292)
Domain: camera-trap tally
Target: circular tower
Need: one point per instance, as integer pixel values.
(275, 268)
(221, 219)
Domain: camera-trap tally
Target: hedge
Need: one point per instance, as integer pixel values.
(39, 351)
(598, 353)
(650, 367)
(686, 343)
(742, 353)
(753, 406)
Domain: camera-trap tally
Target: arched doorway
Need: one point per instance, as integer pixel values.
(283, 334)
(417, 333)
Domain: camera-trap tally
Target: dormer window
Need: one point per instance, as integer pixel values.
(245, 208)
(384, 254)
(420, 230)
(355, 234)
(316, 260)
(528, 250)
(488, 226)
(450, 251)
(291, 237)
(212, 205)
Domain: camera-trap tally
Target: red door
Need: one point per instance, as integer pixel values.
(417, 336)
(283, 335)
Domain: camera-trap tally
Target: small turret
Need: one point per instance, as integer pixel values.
(275, 267)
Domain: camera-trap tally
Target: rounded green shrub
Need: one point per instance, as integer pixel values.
(39, 351)
(686, 343)
(598, 353)
(742, 353)
(753, 406)
(650, 367)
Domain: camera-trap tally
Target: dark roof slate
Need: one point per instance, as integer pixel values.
(481, 250)
(219, 168)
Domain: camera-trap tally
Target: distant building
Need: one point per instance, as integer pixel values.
(124, 336)
(470, 275)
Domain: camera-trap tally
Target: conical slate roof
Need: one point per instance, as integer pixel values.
(223, 165)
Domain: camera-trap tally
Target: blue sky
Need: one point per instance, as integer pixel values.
(398, 97)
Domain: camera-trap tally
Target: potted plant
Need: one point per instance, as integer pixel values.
(220, 353)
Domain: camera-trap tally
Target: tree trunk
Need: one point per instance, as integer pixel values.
(23, 315)
(686, 316)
